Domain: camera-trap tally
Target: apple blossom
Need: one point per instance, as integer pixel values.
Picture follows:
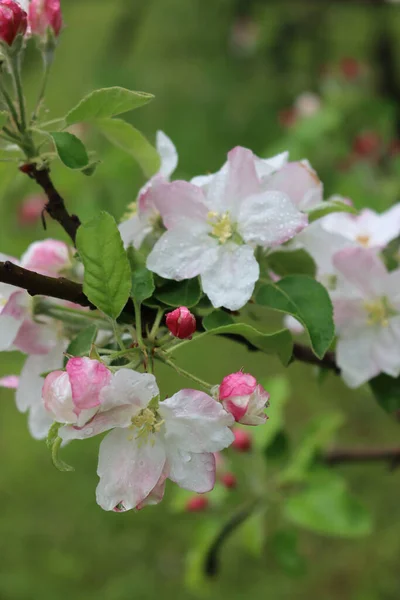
(181, 323)
(145, 217)
(367, 316)
(45, 15)
(177, 436)
(13, 21)
(244, 398)
(213, 230)
(9, 381)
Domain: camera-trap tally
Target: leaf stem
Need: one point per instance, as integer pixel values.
(207, 386)
(156, 324)
(118, 335)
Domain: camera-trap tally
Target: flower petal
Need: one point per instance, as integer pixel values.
(48, 257)
(129, 388)
(87, 378)
(195, 422)
(230, 280)
(269, 219)
(195, 472)
(355, 357)
(11, 319)
(363, 269)
(134, 230)
(299, 181)
(128, 469)
(168, 154)
(179, 201)
(266, 166)
(9, 381)
(183, 253)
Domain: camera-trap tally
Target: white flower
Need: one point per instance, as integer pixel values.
(150, 440)
(136, 227)
(367, 316)
(212, 231)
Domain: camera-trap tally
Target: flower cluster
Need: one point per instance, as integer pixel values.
(34, 17)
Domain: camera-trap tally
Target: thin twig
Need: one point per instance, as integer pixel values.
(305, 354)
(341, 456)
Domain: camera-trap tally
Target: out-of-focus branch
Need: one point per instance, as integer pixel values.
(339, 456)
(55, 206)
(305, 354)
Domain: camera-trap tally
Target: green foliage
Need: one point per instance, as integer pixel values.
(107, 279)
(306, 300)
(279, 390)
(327, 207)
(386, 390)
(284, 545)
(82, 343)
(3, 118)
(217, 318)
(130, 140)
(180, 293)
(326, 507)
(296, 262)
(70, 150)
(142, 279)
(106, 102)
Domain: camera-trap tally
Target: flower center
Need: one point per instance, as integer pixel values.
(148, 421)
(379, 311)
(363, 240)
(222, 227)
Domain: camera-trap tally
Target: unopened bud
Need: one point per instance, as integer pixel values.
(229, 480)
(13, 21)
(181, 323)
(242, 441)
(45, 15)
(244, 398)
(197, 504)
(31, 209)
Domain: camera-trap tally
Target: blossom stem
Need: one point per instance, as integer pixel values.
(184, 342)
(207, 386)
(47, 62)
(10, 104)
(118, 335)
(156, 324)
(15, 68)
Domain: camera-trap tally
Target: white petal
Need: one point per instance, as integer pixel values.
(321, 245)
(195, 472)
(387, 227)
(120, 416)
(134, 230)
(299, 181)
(129, 387)
(168, 154)
(39, 422)
(355, 356)
(387, 348)
(183, 253)
(363, 269)
(230, 280)
(178, 201)
(9, 327)
(269, 219)
(128, 469)
(195, 422)
(266, 166)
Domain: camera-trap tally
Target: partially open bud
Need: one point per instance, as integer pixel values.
(197, 504)
(244, 398)
(242, 441)
(13, 21)
(45, 15)
(181, 323)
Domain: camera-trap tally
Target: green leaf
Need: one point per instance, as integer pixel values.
(308, 301)
(142, 279)
(3, 118)
(106, 102)
(327, 207)
(107, 278)
(317, 436)
(217, 318)
(279, 342)
(292, 263)
(284, 546)
(125, 136)
(279, 447)
(82, 343)
(70, 150)
(386, 390)
(326, 507)
(252, 533)
(91, 168)
(180, 293)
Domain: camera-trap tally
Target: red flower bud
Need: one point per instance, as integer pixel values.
(31, 209)
(367, 143)
(181, 323)
(229, 480)
(44, 15)
(350, 68)
(13, 21)
(242, 441)
(197, 504)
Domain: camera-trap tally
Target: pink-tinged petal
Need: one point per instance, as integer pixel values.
(157, 493)
(237, 406)
(195, 422)
(237, 384)
(270, 219)
(39, 422)
(129, 469)
(387, 227)
(293, 325)
(230, 281)
(299, 182)
(183, 253)
(355, 357)
(120, 416)
(349, 313)
(11, 319)
(9, 381)
(194, 472)
(48, 257)
(363, 269)
(167, 153)
(386, 350)
(179, 201)
(129, 388)
(87, 377)
(255, 414)
(392, 288)
(57, 397)
(266, 166)
(134, 230)
(35, 338)
(321, 245)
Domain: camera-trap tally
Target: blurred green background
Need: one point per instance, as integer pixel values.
(224, 73)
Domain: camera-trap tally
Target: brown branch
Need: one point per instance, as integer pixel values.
(55, 206)
(362, 455)
(305, 354)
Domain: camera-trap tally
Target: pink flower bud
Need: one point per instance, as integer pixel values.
(181, 323)
(13, 21)
(72, 396)
(48, 257)
(229, 480)
(242, 441)
(197, 504)
(45, 15)
(244, 398)
(31, 209)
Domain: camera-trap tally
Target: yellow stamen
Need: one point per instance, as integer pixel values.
(222, 227)
(363, 240)
(379, 312)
